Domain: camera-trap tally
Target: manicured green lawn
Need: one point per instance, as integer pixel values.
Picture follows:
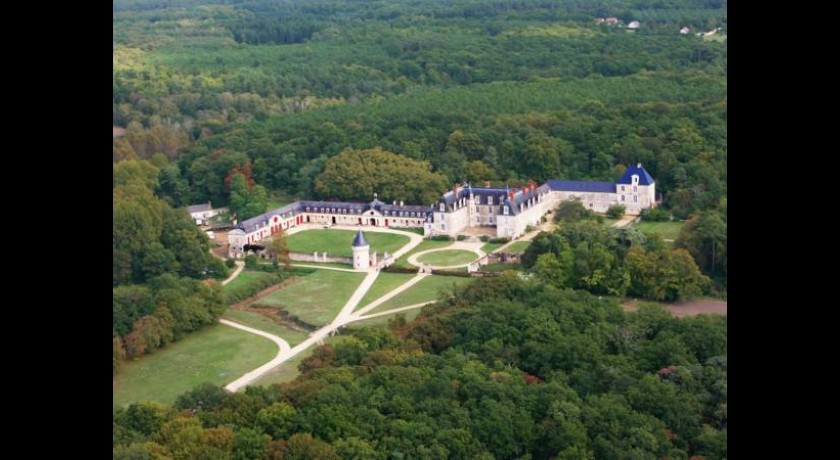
(500, 267)
(427, 289)
(490, 247)
(217, 354)
(337, 242)
(317, 298)
(667, 230)
(448, 258)
(247, 284)
(288, 371)
(425, 245)
(384, 284)
(258, 321)
(327, 264)
(518, 247)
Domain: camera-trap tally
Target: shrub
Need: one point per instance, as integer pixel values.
(529, 228)
(230, 263)
(441, 238)
(485, 238)
(655, 215)
(498, 240)
(616, 211)
(461, 237)
(251, 262)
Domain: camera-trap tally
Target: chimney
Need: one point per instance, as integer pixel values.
(401, 203)
(638, 165)
(395, 202)
(487, 184)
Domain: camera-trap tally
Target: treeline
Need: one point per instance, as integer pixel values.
(158, 256)
(583, 254)
(506, 369)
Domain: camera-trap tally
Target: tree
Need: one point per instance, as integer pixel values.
(277, 419)
(302, 446)
(616, 211)
(357, 174)
(570, 211)
(704, 236)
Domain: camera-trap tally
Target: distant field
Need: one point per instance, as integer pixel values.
(666, 230)
(425, 245)
(337, 242)
(216, 354)
(448, 258)
(519, 247)
(262, 323)
(500, 267)
(317, 298)
(427, 289)
(384, 284)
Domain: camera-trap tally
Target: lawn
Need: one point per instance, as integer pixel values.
(448, 258)
(325, 264)
(608, 222)
(258, 321)
(667, 230)
(427, 289)
(247, 284)
(500, 267)
(490, 247)
(317, 298)
(425, 245)
(518, 248)
(337, 242)
(288, 371)
(383, 320)
(384, 284)
(216, 354)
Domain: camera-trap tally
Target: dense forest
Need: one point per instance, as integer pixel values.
(505, 369)
(159, 258)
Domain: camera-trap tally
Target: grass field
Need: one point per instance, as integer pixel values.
(288, 371)
(500, 267)
(325, 264)
(490, 247)
(667, 230)
(448, 258)
(317, 298)
(262, 323)
(519, 247)
(427, 289)
(384, 283)
(247, 284)
(383, 320)
(425, 245)
(337, 242)
(608, 222)
(217, 354)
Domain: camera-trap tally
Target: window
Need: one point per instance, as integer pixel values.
(442, 207)
(622, 197)
(622, 188)
(635, 198)
(507, 210)
(635, 189)
(635, 179)
(490, 200)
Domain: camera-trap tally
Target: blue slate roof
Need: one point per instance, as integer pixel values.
(582, 186)
(644, 177)
(360, 240)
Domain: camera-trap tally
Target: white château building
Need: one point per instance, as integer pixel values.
(510, 211)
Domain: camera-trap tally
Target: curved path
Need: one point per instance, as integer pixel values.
(456, 246)
(239, 266)
(250, 376)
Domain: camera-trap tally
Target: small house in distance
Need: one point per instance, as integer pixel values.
(634, 25)
(201, 212)
(685, 30)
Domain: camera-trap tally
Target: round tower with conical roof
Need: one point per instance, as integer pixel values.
(361, 252)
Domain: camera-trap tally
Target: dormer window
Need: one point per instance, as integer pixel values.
(507, 210)
(442, 207)
(634, 179)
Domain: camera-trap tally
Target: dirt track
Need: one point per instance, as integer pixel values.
(692, 308)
